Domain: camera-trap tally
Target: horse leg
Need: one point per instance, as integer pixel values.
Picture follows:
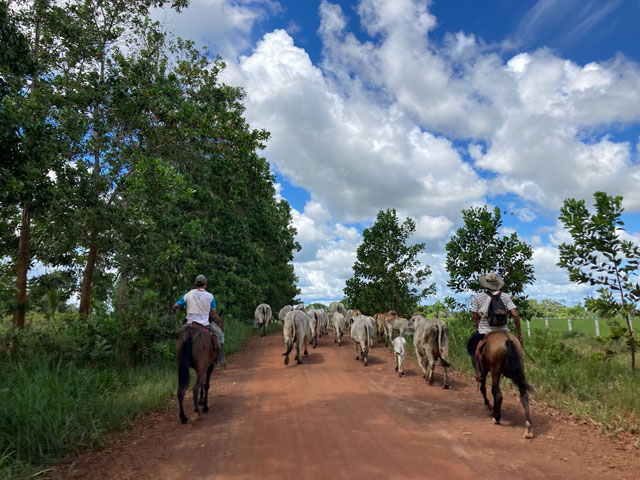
(524, 399)
(483, 390)
(196, 390)
(183, 417)
(207, 382)
(201, 401)
(497, 397)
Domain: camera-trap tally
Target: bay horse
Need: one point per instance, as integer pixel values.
(501, 354)
(197, 349)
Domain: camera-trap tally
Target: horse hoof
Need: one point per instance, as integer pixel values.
(527, 435)
(366, 364)
(446, 387)
(286, 361)
(314, 346)
(205, 409)
(184, 420)
(306, 354)
(496, 421)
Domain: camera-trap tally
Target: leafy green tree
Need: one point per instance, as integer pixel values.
(30, 138)
(599, 257)
(477, 248)
(387, 273)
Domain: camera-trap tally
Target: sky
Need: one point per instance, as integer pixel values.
(431, 107)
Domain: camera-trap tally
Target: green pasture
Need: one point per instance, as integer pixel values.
(582, 325)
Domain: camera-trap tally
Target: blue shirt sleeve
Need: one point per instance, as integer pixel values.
(181, 303)
(213, 303)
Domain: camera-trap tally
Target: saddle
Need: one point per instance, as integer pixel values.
(481, 343)
(201, 328)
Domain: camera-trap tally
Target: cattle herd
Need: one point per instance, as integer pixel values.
(302, 327)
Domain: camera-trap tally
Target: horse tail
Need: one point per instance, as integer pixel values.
(515, 367)
(183, 365)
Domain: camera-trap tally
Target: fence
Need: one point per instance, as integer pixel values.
(592, 326)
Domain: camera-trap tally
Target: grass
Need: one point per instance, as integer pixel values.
(50, 408)
(584, 325)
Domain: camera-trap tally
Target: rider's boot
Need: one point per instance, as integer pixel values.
(220, 357)
(476, 366)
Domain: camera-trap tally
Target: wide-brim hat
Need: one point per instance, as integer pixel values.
(491, 281)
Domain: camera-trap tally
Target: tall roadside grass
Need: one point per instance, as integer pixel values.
(568, 372)
(53, 403)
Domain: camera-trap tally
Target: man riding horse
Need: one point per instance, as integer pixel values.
(201, 308)
(483, 314)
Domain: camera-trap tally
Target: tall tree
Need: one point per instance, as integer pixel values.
(477, 248)
(387, 273)
(599, 256)
(31, 139)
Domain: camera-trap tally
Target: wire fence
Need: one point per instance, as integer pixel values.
(588, 325)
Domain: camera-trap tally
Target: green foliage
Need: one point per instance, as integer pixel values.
(387, 273)
(598, 256)
(477, 249)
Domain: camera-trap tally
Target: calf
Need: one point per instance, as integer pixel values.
(296, 332)
(361, 334)
(314, 326)
(400, 349)
(262, 317)
(431, 341)
(338, 327)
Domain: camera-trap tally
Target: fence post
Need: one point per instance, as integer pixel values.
(528, 328)
(546, 324)
(597, 326)
(569, 326)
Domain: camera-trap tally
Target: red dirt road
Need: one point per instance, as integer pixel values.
(333, 418)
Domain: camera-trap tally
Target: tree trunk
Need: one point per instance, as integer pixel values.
(632, 343)
(87, 278)
(22, 267)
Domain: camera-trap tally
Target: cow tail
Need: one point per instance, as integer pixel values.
(440, 338)
(183, 365)
(515, 367)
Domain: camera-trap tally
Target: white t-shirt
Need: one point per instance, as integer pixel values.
(481, 305)
(198, 305)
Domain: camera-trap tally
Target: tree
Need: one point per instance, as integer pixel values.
(387, 272)
(477, 249)
(599, 256)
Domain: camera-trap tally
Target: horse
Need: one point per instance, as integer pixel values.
(197, 349)
(501, 354)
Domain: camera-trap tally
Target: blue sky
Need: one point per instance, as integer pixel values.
(430, 107)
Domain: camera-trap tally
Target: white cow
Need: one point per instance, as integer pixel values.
(361, 334)
(431, 341)
(296, 332)
(313, 325)
(338, 327)
(283, 312)
(400, 349)
(262, 317)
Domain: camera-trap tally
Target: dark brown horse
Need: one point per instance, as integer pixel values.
(196, 349)
(501, 354)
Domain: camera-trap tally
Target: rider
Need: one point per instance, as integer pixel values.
(492, 284)
(201, 306)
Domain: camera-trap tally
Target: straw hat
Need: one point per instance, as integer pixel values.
(491, 281)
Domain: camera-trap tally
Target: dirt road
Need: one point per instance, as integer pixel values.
(333, 418)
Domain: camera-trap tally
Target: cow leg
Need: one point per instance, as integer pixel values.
(298, 353)
(421, 362)
(446, 375)
(357, 350)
